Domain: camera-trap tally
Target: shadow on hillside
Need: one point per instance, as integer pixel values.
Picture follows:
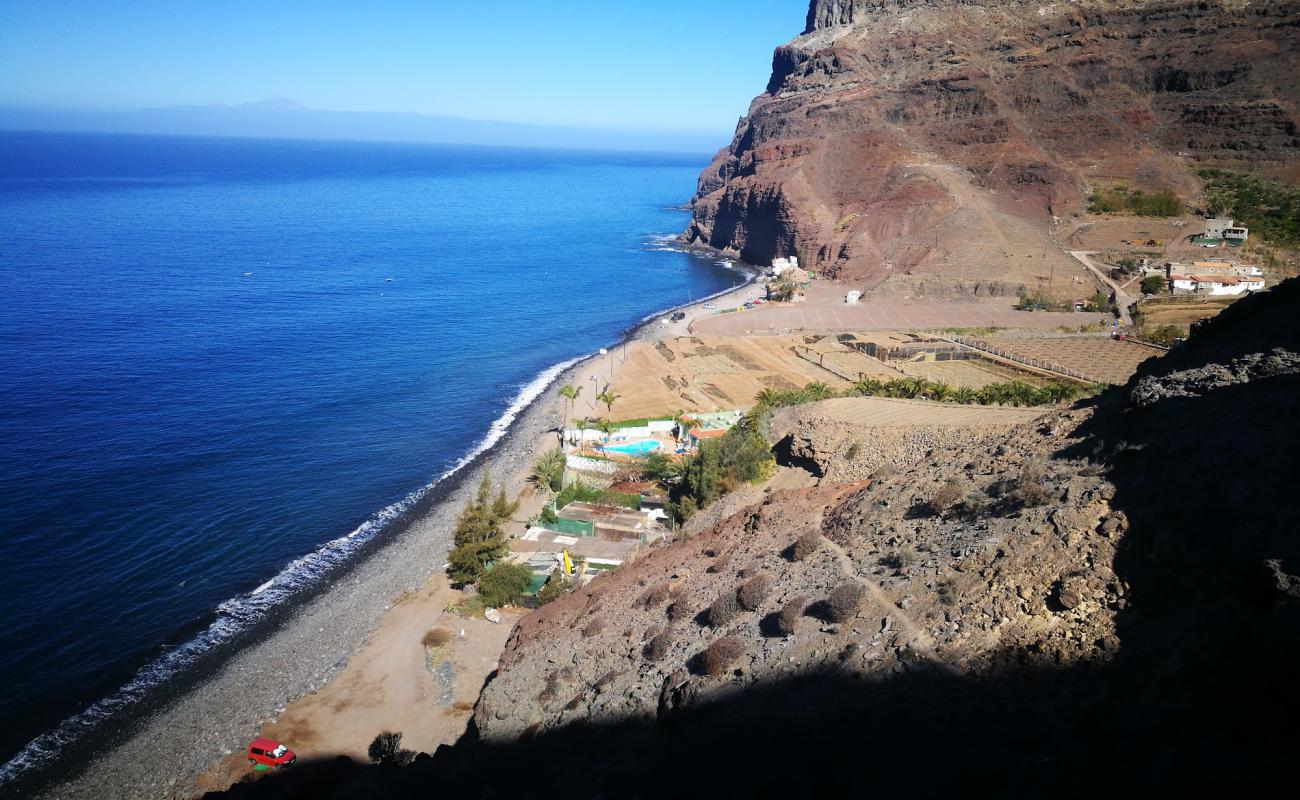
(1201, 695)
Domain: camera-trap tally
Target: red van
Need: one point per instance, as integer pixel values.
(270, 753)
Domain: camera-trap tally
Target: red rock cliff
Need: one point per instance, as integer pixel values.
(915, 141)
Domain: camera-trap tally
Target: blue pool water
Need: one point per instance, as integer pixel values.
(641, 448)
(220, 358)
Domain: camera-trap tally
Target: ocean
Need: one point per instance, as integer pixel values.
(227, 364)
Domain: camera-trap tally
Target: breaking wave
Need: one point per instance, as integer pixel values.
(238, 614)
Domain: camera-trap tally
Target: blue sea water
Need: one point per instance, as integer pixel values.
(220, 358)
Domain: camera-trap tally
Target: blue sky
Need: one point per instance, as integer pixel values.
(663, 64)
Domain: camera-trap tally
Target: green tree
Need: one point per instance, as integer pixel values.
(606, 427)
(504, 584)
(1153, 284)
(477, 537)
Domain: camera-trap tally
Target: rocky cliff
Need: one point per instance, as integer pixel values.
(934, 142)
(1105, 599)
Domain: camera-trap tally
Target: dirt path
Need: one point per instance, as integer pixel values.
(1122, 298)
(393, 684)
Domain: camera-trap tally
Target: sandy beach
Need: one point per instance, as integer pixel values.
(360, 631)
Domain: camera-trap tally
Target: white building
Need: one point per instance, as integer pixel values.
(1214, 285)
(1223, 228)
(780, 265)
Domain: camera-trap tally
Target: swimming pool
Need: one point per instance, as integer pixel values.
(641, 448)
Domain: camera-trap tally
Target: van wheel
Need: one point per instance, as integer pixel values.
(252, 761)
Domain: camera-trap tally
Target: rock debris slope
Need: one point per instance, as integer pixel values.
(933, 143)
(1101, 600)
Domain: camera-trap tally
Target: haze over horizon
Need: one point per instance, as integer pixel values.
(573, 65)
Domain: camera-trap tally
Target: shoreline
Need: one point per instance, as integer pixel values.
(303, 647)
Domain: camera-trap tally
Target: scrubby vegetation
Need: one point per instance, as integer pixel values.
(1270, 209)
(478, 540)
(436, 637)
(555, 587)
(582, 492)
(658, 646)
(386, 748)
(807, 544)
(844, 601)
(720, 466)
(751, 593)
(504, 585)
(948, 493)
(1153, 284)
(1032, 488)
(1123, 200)
(1013, 393)
(1167, 335)
(655, 595)
(721, 654)
(791, 612)
(724, 609)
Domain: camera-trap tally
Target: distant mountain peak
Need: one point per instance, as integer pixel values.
(276, 103)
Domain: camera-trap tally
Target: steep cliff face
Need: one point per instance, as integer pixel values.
(924, 141)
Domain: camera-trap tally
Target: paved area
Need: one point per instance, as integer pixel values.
(826, 311)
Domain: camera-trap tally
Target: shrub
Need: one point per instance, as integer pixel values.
(654, 595)
(678, 611)
(721, 654)
(946, 592)
(751, 593)
(436, 637)
(724, 609)
(1153, 284)
(594, 627)
(505, 584)
(897, 559)
(948, 493)
(844, 601)
(658, 646)
(554, 588)
(806, 545)
(790, 614)
(1032, 489)
(385, 747)
(720, 564)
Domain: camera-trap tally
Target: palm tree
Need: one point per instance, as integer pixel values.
(582, 431)
(940, 391)
(606, 427)
(964, 395)
(768, 397)
(818, 391)
(570, 394)
(549, 469)
(607, 397)
(868, 386)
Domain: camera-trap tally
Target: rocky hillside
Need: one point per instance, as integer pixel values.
(932, 143)
(1106, 598)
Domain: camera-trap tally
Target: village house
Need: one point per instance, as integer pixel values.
(1214, 285)
(1223, 229)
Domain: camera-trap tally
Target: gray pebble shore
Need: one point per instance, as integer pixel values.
(310, 646)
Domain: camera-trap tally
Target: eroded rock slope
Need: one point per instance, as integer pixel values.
(932, 143)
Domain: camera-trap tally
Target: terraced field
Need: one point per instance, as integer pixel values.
(1101, 359)
(971, 373)
(888, 412)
